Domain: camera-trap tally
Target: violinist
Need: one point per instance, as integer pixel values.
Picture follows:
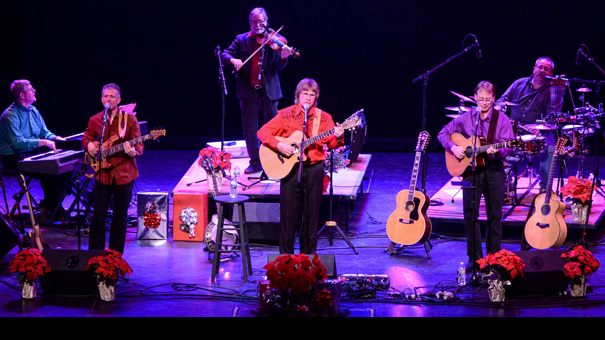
(257, 81)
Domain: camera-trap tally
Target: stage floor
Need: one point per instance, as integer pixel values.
(172, 278)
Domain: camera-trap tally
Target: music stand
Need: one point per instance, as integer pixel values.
(330, 223)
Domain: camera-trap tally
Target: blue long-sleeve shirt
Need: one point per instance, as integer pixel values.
(23, 127)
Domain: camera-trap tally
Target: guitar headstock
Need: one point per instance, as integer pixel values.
(356, 119)
(560, 145)
(423, 141)
(155, 134)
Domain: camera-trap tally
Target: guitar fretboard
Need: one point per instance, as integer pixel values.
(414, 176)
(120, 147)
(484, 148)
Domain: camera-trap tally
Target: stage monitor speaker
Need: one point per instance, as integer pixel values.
(68, 274)
(543, 273)
(9, 238)
(359, 137)
(328, 260)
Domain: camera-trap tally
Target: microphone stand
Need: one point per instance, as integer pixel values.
(473, 187)
(300, 168)
(425, 78)
(221, 80)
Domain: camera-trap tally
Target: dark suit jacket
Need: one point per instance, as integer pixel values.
(242, 48)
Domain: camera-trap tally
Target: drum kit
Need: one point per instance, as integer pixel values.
(583, 122)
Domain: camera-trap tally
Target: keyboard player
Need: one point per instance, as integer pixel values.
(23, 133)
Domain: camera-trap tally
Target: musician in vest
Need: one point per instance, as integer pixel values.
(257, 82)
(23, 133)
(489, 179)
(117, 180)
(301, 198)
(536, 98)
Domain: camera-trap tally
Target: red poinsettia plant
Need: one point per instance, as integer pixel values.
(296, 273)
(503, 263)
(29, 264)
(579, 189)
(213, 159)
(580, 262)
(109, 265)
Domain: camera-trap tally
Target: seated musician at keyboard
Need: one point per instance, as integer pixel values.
(23, 133)
(116, 181)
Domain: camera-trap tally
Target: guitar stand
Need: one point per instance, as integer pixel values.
(394, 249)
(263, 177)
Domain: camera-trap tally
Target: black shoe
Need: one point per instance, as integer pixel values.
(542, 190)
(252, 169)
(472, 267)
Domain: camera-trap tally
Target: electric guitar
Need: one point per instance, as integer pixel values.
(108, 149)
(278, 166)
(35, 236)
(546, 228)
(456, 166)
(409, 223)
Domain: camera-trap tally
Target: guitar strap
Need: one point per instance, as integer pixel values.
(122, 122)
(316, 121)
(492, 126)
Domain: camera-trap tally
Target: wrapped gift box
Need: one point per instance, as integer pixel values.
(189, 215)
(152, 215)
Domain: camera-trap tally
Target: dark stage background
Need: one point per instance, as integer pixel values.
(364, 54)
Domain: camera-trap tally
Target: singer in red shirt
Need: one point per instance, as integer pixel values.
(301, 198)
(118, 180)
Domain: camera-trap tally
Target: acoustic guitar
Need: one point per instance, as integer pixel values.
(409, 223)
(278, 166)
(457, 166)
(108, 148)
(546, 228)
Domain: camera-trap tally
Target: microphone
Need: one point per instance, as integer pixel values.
(105, 112)
(477, 49)
(306, 107)
(556, 78)
(578, 56)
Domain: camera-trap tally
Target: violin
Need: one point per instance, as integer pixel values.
(277, 42)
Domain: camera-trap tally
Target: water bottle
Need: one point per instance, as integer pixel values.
(233, 185)
(462, 274)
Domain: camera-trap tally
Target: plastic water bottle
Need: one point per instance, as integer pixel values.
(461, 274)
(233, 185)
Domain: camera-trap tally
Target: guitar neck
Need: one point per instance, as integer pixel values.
(120, 147)
(414, 176)
(484, 148)
(317, 138)
(551, 176)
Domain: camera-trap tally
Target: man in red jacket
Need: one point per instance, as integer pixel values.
(117, 180)
(301, 198)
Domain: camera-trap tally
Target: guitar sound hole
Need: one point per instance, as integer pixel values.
(409, 206)
(545, 210)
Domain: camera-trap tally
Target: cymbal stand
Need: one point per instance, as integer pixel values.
(263, 177)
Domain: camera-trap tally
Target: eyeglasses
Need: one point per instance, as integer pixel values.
(256, 22)
(30, 90)
(486, 100)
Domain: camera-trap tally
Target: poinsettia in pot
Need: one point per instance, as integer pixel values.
(106, 268)
(504, 266)
(215, 162)
(29, 264)
(295, 288)
(581, 264)
(579, 191)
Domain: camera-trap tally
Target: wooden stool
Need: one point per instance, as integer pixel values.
(240, 226)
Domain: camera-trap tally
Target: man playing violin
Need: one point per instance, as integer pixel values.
(295, 201)
(489, 179)
(257, 84)
(535, 97)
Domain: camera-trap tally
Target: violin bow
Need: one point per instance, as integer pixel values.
(258, 49)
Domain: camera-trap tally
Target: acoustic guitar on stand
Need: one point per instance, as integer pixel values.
(546, 228)
(456, 166)
(108, 149)
(409, 223)
(278, 166)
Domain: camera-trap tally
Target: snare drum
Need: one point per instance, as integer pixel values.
(582, 131)
(532, 145)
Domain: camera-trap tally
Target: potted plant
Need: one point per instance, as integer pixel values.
(580, 265)
(504, 266)
(215, 163)
(106, 268)
(29, 264)
(295, 288)
(579, 191)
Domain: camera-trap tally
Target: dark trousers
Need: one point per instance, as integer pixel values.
(256, 109)
(101, 197)
(53, 186)
(489, 181)
(296, 203)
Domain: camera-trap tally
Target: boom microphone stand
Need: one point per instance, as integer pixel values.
(221, 80)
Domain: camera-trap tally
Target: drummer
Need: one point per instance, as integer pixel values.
(531, 100)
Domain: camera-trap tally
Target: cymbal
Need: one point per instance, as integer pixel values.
(540, 126)
(463, 97)
(456, 108)
(583, 89)
(453, 116)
